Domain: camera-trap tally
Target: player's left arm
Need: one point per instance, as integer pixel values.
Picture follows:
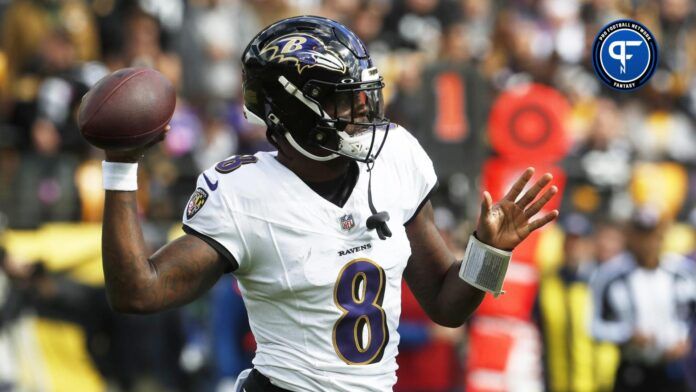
(432, 272)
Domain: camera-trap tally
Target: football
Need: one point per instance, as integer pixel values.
(127, 109)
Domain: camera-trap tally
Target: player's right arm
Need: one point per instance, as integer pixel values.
(137, 282)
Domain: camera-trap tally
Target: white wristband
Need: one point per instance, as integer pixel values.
(119, 176)
(484, 266)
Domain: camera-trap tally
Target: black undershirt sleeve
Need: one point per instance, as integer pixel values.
(422, 204)
(232, 263)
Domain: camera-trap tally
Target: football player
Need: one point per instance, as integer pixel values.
(320, 233)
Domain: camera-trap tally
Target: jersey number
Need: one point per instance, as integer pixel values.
(360, 335)
(234, 163)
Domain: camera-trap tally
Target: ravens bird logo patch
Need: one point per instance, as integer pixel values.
(196, 202)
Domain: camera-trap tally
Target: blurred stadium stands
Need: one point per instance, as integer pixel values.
(461, 76)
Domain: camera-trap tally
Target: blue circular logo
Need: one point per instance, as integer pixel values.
(624, 54)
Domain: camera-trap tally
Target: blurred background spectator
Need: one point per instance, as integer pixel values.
(647, 309)
(460, 75)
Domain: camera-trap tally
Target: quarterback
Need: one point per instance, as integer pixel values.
(320, 233)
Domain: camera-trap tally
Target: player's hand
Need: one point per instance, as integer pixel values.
(134, 155)
(508, 222)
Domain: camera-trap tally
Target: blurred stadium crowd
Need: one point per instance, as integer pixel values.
(586, 307)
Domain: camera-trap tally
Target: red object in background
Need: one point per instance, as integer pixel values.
(521, 285)
(530, 122)
(451, 124)
(488, 351)
(430, 367)
(503, 356)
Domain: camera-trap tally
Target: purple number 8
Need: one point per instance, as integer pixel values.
(234, 163)
(360, 335)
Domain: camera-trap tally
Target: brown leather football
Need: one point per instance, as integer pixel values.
(127, 109)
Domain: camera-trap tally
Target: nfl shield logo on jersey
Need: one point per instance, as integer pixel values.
(347, 222)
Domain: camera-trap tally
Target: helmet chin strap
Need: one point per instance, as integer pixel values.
(313, 106)
(306, 153)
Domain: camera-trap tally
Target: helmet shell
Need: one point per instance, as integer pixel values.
(300, 49)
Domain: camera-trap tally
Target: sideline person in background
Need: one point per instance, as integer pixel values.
(646, 311)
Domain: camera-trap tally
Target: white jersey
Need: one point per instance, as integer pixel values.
(322, 292)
